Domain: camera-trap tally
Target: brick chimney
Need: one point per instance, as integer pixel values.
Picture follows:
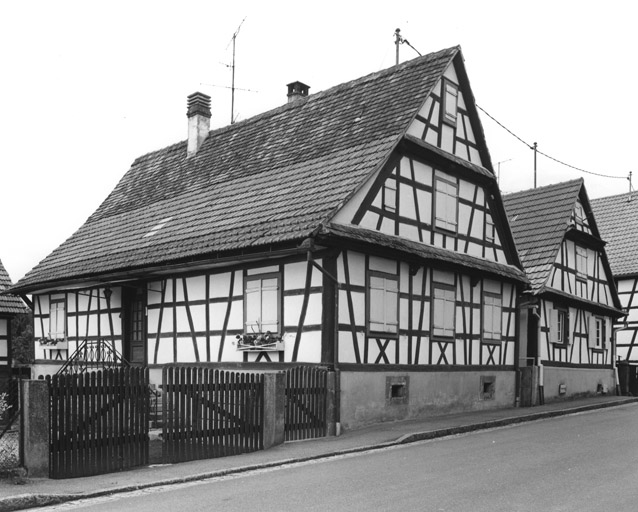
(297, 90)
(198, 121)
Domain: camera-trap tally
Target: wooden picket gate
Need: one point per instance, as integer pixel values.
(306, 403)
(99, 422)
(210, 413)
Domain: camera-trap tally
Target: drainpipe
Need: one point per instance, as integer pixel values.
(541, 383)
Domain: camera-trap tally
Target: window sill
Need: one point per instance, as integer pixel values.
(383, 335)
(492, 342)
(60, 345)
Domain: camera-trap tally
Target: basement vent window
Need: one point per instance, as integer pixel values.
(396, 390)
(157, 227)
(488, 387)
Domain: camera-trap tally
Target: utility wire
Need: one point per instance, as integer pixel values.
(545, 154)
(401, 40)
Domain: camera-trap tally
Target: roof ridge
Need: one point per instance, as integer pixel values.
(317, 96)
(545, 187)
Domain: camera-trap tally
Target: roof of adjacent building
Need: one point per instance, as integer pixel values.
(9, 304)
(539, 219)
(617, 219)
(263, 183)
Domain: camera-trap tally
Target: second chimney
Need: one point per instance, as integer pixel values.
(297, 90)
(198, 121)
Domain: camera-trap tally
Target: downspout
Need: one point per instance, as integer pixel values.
(541, 389)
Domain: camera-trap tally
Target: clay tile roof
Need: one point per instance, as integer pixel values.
(424, 252)
(9, 304)
(271, 179)
(539, 219)
(617, 220)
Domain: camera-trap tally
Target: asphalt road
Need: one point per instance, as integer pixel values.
(584, 462)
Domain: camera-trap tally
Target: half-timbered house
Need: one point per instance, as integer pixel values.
(10, 306)
(617, 218)
(360, 228)
(568, 312)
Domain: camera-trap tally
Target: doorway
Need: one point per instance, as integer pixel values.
(134, 304)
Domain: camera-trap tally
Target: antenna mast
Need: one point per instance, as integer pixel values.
(232, 67)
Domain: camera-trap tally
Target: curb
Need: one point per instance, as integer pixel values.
(24, 501)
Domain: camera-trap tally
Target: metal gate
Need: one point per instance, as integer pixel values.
(99, 422)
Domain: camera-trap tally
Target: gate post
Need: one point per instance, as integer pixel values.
(274, 409)
(34, 437)
(331, 404)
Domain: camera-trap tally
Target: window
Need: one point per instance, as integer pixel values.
(383, 303)
(57, 320)
(390, 195)
(450, 102)
(445, 204)
(560, 326)
(492, 317)
(581, 262)
(597, 332)
(443, 311)
(261, 304)
(490, 232)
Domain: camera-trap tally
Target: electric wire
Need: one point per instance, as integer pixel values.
(545, 154)
(402, 40)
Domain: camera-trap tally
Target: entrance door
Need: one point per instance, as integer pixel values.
(135, 325)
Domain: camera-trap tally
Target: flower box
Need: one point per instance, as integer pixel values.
(260, 342)
(49, 344)
(266, 347)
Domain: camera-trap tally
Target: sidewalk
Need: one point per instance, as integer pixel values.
(40, 492)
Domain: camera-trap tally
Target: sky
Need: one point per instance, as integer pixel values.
(88, 86)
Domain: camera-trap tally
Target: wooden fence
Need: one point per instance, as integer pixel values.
(99, 422)
(210, 413)
(306, 403)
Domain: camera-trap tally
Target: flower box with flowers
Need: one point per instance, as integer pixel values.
(260, 342)
(53, 344)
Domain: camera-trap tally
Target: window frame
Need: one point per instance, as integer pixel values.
(261, 278)
(394, 333)
(490, 229)
(597, 338)
(484, 334)
(60, 305)
(433, 312)
(390, 195)
(560, 327)
(447, 116)
(582, 257)
(438, 192)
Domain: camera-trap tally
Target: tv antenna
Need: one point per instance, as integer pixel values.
(232, 67)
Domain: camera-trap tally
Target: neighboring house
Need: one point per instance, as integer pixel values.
(362, 227)
(617, 218)
(567, 315)
(10, 306)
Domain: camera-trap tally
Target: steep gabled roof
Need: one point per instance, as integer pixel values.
(617, 218)
(539, 219)
(9, 304)
(271, 179)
